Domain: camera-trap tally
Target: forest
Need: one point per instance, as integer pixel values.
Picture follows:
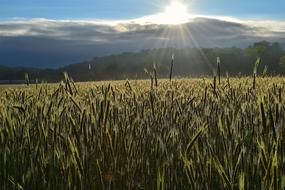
(188, 62)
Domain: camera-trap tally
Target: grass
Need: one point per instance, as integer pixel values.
(183, 134)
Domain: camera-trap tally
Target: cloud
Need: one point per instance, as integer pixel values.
(53, 43)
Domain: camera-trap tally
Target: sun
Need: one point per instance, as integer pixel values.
(175, 13)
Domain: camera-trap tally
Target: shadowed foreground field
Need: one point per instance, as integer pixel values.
(184, 134)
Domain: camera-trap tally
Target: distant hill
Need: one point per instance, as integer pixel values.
(187, 62)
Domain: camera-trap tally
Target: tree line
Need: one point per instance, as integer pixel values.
(188, 62)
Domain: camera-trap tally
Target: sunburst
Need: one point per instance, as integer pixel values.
(175, 13)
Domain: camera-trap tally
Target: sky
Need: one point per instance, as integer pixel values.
(126, 9)
(53, 33)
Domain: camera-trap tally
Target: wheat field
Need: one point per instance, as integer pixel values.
(149, 134)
